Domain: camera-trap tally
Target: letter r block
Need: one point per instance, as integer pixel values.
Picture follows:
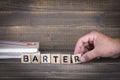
(25, 58)
(45, 58)
(76, 58)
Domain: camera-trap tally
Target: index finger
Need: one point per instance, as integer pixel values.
(80, 47)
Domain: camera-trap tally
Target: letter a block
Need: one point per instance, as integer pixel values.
(76, 58)
(65, 59)
(35, 58)
(45, 58)
(25, 58)
(55, 58)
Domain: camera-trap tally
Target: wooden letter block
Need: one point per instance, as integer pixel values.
(25, 58)
(65, 59)
(55, 58)
(45, 58)
(76, 58)
(35, 58)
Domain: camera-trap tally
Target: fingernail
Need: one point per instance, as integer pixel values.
(83, 59)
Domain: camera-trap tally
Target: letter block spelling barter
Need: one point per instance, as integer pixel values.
(55, 58)
(50, 58)
(45, 58)
(25, 58)
(35, 58)
(65, 59)
(76, 58)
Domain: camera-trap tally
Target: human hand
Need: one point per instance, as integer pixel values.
(95, 44)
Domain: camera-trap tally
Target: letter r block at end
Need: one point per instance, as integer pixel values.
(76, 58)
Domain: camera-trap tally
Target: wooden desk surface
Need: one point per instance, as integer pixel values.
(102, 69)
(57, 25)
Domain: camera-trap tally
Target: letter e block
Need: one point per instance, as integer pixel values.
(25, 58)
(55, 58)
(35, 58)
(76, 58)
(65, 59)
(45, 58)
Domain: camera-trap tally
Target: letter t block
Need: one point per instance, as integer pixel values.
(55, 58)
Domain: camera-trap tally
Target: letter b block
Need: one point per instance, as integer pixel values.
(25, 58)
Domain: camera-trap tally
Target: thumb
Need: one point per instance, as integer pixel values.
(88, 56)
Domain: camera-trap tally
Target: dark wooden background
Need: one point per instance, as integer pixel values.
(57, 25)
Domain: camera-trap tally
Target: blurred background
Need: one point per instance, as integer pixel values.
(57, 24)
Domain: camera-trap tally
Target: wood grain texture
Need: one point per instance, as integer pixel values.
(53, 37)
(12, 69)
(65, 18)
(60, 5)
(57, 25)
(97, 69)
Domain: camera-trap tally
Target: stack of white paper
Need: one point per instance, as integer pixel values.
(13, 49)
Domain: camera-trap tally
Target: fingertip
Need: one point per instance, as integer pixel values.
(77, 47)
(88, 56)
(84, 58)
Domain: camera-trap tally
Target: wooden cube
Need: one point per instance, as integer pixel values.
(55, 58)
(25, 58)
(35, 58)
(65, 58)
(76, 58)
(45, 58)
